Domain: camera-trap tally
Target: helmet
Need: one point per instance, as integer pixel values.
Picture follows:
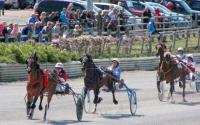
(190, 56)
(115, 59)
(180, 49)
(59, 65)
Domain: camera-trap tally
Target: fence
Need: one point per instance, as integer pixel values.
(169, 23)
(14, 72)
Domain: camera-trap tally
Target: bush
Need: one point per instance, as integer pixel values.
(18, 53)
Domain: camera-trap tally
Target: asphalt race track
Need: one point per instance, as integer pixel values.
(62, 109)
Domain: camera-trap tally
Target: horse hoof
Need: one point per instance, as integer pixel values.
(115, 102)
(180, 85)
(96, 101)
(40, 108)
(99, 100)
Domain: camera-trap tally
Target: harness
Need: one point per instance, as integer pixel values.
(95, 78)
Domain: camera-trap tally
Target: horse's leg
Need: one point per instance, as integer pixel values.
(183, 81)
(28, 103)
(34, 101)
(158, 82)
(113, 93)
(32, 107)
(172, 90)
(97, 99)
(40, 106)
(50, 95)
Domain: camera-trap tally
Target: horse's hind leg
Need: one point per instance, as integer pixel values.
(40, 106)
(113, 93)
(183, 81)
(50, 95)
(171, 92)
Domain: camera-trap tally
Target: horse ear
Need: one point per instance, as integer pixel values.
(35, 56)
(89, 56)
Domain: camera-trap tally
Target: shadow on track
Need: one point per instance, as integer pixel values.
(119, 116)
(65, 122)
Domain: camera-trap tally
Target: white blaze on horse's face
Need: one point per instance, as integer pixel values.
(167, 57)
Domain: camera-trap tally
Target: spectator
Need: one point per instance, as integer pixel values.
(113, 19)
(26, 31)
(70, 9)
(33, 18)
(99, 20)
(111, 7)
(1, 28)
(90, 19)
(56, 32)
(4, 31)
(47, 30)
(146, 14)
(10, 28)
(15, 30)
(106, 19)
(63, 17)
(38, 29)
(77, 30)
(122, 19)
(44, 18)
(83, 19)
(151, 29)
(158, 16)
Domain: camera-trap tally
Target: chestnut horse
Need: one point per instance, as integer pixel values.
(38, 85)
(169, 71)
(94, 80)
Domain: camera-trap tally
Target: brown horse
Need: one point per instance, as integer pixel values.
(38, 85)
(94, 80)
(169, 71)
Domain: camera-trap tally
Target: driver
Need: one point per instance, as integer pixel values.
(62, 75)
(115, 68)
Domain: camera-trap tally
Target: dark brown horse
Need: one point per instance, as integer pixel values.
(169, 70)
(94, 80)
(39, 82)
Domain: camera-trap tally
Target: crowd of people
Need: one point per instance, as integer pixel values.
(67, 21)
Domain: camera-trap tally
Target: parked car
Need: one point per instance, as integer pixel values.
(18, 4)
(134, 7)
(194, 4)
(182, 7)
(105, 6)
(58, 5)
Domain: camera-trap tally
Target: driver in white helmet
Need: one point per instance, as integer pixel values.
(62, 86)
(115, 68)
(181, 55)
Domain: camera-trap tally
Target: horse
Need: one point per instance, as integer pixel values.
(169, 70)
(40, 82)
(94, 80)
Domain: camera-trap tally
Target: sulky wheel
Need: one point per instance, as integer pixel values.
(133, 102)
(88, 96)
(79, 108)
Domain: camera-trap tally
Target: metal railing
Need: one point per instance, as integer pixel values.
(170, 23)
